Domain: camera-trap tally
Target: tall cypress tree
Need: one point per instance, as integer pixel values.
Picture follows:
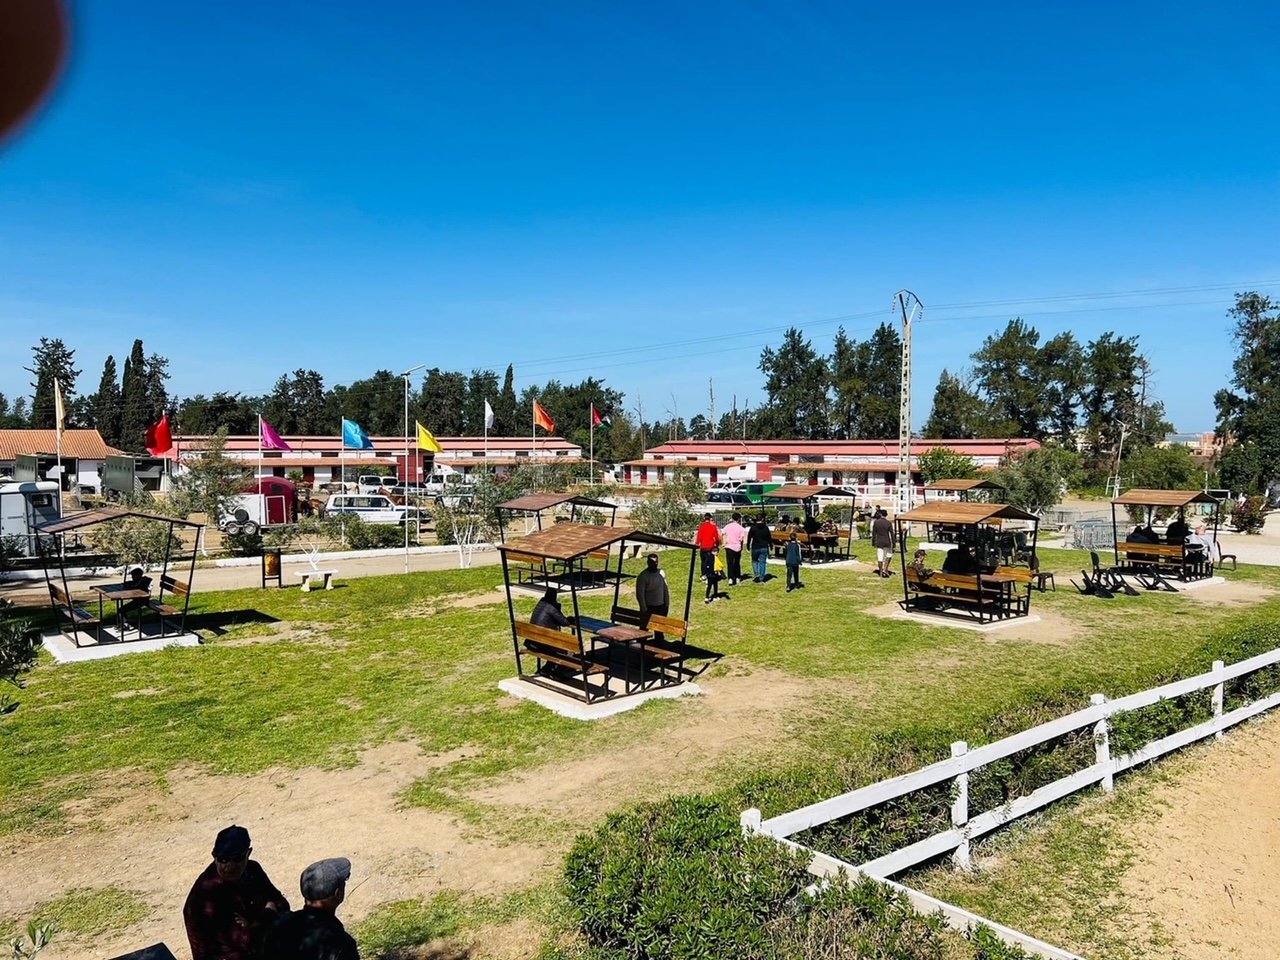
(135, 409)
(504, 408)
(106, 404)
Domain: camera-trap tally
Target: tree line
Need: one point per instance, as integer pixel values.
(1094, 399)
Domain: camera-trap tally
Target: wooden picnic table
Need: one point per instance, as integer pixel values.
(121, 594)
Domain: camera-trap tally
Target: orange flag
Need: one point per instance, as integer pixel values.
(543, 419)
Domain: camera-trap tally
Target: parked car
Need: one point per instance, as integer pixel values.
(732, 497)
(371, 483)
(371, 508)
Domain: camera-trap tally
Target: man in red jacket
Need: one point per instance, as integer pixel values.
(708, 542)
(232, 903)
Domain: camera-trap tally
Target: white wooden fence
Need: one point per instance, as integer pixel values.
(967, 826)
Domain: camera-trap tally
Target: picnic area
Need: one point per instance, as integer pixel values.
(376, 708)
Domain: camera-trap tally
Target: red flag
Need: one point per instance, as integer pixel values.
(159, 439)
(543, 419)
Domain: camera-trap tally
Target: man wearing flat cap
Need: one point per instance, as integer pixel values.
(232, 903)
(315, 932)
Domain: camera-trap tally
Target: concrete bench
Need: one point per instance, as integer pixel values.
(309, 575)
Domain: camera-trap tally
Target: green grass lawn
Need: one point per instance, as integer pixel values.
(292, 679)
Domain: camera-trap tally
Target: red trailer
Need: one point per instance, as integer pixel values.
(275, 505)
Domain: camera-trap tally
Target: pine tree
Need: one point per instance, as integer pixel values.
(106, 404)
(52, 361)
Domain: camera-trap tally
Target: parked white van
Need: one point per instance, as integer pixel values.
(372, 483)
(371, 507)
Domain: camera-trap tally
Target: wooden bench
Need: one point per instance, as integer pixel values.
(547, 645)
(667, 652)
(309, 575)
(527, 565)
(179, 589)
(1166, 558)
(76, 616)
(986, 600)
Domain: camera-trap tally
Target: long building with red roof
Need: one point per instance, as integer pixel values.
(836, 462)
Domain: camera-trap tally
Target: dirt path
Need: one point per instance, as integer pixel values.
(1207, 866)
(154, 841)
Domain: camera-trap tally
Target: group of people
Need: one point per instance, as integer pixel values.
(235, 912)
(1179, 532)
(758, 540)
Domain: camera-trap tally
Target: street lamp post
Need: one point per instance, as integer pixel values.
(406, 374)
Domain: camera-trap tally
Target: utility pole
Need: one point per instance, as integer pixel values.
(909, 305)
(711, 387)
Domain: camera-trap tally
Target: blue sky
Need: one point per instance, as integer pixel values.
(649, 193)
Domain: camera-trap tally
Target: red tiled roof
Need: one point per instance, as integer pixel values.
(847, 448)
(81, 444)
(681, 462)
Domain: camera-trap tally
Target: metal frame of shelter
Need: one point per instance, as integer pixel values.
(570, 544)
(970, 517)
(943, 533)
(57, 529)
(1167, 498)
(535, 503)
(962, 487)
(807, 497)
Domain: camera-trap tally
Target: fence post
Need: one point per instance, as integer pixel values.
(1102, 745)
(960, 808)
(750, 821)
(1218, 667)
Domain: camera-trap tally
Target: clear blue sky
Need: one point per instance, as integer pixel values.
(594, 188)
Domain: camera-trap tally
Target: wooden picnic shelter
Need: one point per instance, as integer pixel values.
(977, 578)
(1175, 555)
(535, 503)
(127, 596)
(595, 658)
(819, 546)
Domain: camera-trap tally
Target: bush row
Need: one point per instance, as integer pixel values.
(677, 880)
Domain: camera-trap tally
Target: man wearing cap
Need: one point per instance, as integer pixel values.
(315, 932)
(232, 903)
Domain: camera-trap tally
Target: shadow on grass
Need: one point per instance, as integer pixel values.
(220, 624)
(448, 951)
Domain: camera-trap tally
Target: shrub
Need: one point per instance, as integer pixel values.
(1248, 517)
(243, 544)
(19, 645)
(678, 880)
(372, 536)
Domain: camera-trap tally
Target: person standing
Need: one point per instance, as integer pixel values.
(232, 903)
(759, 540)
(708, 541)
(652, 595)
(792, 556)
(735, 535)
(315, 932)
(882, 540)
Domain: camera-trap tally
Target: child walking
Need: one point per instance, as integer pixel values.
(792, 557)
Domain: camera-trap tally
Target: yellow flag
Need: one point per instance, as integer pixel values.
(426, 441)
(59, 409)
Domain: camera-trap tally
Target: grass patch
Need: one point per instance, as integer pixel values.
(93, 911)
(391, 929)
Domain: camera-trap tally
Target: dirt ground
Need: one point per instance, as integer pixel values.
(1207, 864)
(155, 841)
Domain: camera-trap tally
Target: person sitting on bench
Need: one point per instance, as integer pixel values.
(1177, 532)
(811, 524)
(960, 560)
(1202, 541)
(137, 580)
(547, 613)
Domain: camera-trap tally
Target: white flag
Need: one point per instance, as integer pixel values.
(488, 416)
(59, 410)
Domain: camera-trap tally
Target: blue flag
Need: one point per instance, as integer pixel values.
(353, 435)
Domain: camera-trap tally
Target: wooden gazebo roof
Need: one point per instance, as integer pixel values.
(534, 502)
(569, 541)
(104, 515)
(964, 485)
(803, 491)
(1164, 498)
(948, 511)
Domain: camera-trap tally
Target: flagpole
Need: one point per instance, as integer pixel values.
(59, 416)
(342, 482)
(592, 455)
(260, 505)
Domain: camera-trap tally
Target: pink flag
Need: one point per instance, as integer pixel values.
(270, 439)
